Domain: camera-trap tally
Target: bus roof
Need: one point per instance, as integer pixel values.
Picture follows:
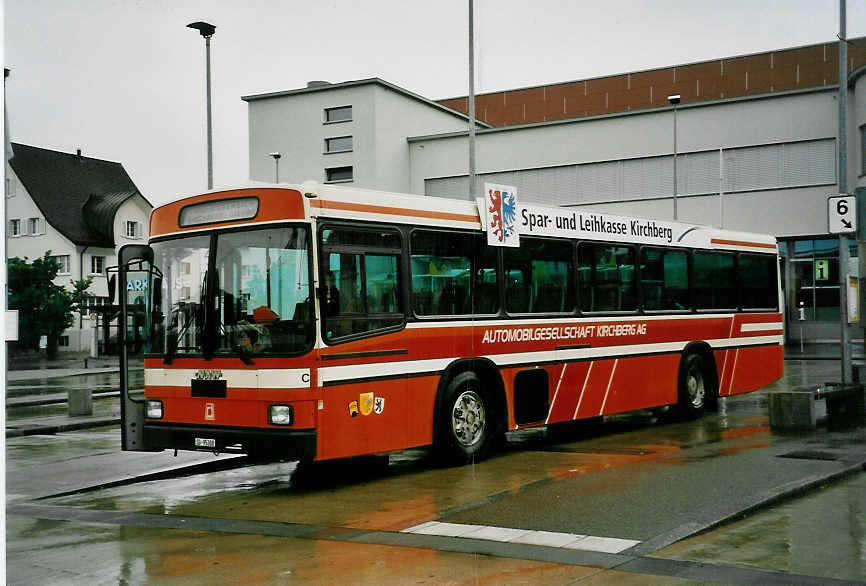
(279, 202)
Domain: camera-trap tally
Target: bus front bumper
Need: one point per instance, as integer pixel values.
(282, 444)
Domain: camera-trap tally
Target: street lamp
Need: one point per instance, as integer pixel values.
(207, 30)
(276, 157)
(673, 101)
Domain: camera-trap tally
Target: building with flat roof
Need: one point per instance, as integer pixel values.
(756, 149)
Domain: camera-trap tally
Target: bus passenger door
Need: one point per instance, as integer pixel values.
(138, 285)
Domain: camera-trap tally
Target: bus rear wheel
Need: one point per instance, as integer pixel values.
(465, 421)
(694, 387)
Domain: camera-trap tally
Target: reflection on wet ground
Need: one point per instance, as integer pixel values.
(811, 535)
(592, 478)
(130, 555)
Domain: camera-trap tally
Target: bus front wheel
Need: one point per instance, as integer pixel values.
(465, 421)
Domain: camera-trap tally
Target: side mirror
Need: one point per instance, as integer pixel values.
(157, 292)
(112, 289)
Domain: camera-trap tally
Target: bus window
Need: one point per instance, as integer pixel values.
(263, 291)
(715, 285)
(665, 279)
(538, 277)
(606, 277)
(486, 287)
(360, 270)
(756, 275)
(184, 263)
(442, 264)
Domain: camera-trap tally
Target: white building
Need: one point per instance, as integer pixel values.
(756, 149)
(341, 133)
(82, 210)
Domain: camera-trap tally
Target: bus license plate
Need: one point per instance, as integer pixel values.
(205, 442)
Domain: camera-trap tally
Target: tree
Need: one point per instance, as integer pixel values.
(44, 308)
(81, 297)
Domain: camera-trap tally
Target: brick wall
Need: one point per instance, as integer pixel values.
(775, 71)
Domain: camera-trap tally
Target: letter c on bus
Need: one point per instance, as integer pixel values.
(305, 378)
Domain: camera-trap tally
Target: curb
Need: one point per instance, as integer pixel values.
(749, 505)
(37, 374)
(53, 428)
(14, 403)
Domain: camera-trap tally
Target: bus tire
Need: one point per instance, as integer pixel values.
(694, 386)
(465, 421)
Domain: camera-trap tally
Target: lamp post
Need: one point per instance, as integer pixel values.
(276, 157)
(673, 101)
(471, 100)
(207, 30)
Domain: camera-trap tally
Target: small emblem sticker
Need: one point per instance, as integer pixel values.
(379, 405)
(209, 412)
(365, 402)
(353, 408)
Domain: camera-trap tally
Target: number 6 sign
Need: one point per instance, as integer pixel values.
(841, 214)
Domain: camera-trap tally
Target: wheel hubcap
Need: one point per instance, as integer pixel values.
(695, 386)
(468, 418)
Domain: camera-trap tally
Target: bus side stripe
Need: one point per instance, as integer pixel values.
(762, 327)
(744, 243)
(376, 209)
(725, 364)
(609, 383)
(733, 370)
(583, 389)
(556, 392)
(330, 375)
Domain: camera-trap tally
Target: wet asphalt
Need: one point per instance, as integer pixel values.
(722, 499)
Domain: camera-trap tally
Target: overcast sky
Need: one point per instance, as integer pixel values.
(123, 80)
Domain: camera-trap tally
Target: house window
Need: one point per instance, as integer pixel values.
(63, 261)
(97, 265)
(339, 144)
(341, 114)
(15, 227)
(133, 229)
(338, 174)
(10, 187)
(63, 341)
(35, 226)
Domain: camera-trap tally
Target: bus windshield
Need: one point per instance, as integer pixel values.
(241, 293)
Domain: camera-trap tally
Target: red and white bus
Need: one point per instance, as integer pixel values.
(320, 322)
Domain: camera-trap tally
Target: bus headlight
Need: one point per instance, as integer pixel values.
(153, 409)
(280, 415)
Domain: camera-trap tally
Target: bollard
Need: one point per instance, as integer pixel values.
(80, 402)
